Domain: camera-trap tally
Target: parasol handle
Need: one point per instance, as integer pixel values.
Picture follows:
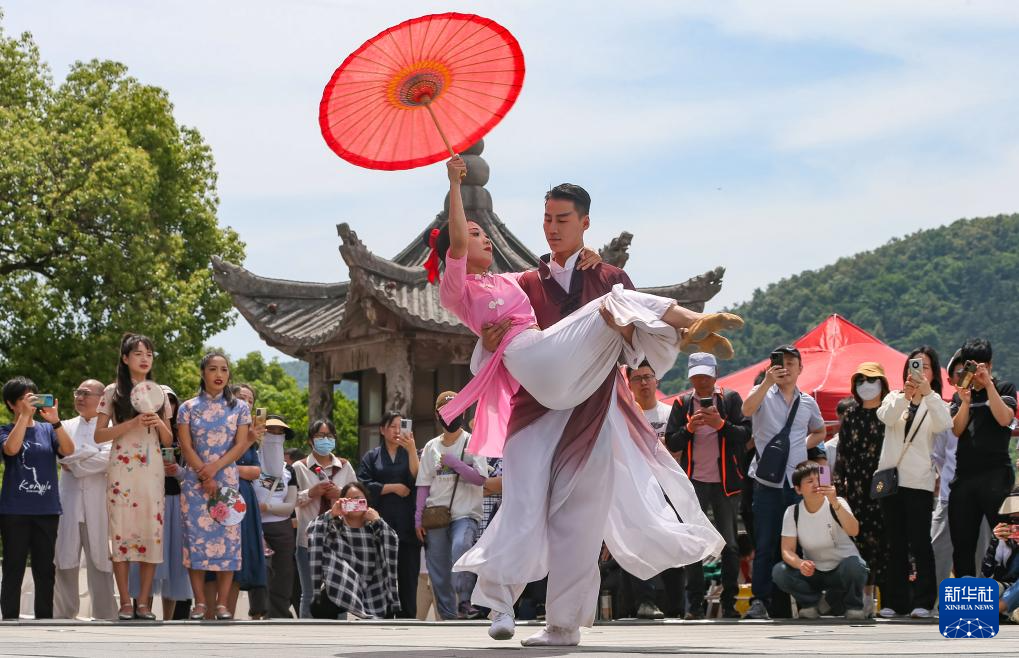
(427, 102)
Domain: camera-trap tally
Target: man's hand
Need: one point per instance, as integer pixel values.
(773, 374)
(588, 258)
(695, 421)
(965, 395)
(711, 417)
(807, 568)
(456, 169)
(983, 376)
(491, 335)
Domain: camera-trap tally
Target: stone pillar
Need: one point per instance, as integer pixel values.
(320, 389)
(399, 377)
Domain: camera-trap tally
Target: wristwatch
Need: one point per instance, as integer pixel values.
(57, 425)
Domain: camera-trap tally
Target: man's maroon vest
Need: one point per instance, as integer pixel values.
(551, 304)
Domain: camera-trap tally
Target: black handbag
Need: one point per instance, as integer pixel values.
(771, 463)
(885, 482)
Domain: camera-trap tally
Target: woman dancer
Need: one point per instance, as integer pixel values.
(564, 364)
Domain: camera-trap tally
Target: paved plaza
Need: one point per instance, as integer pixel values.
(469, 640)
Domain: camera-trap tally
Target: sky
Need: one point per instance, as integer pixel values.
(766, 137)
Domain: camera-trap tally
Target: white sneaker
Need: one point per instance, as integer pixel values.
(553, 636)
(887, 613)
(920, 613)
(503, 626)
(858, 613)
(809, 613)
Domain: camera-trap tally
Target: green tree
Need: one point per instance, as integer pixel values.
(937, 287)
(280, 394)
(107, 224)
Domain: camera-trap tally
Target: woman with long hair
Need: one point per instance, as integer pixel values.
(171, 581)
(135, 478)
(913, 417)
(213, 430)
(389, 471)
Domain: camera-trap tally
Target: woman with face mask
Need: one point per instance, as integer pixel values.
(277, 495)
(913, 417)
(320, 477)
(860, 439)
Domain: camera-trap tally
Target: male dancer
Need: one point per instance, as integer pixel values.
(570, 481)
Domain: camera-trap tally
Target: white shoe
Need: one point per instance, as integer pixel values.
(887, 613)
(553, 636)
(809, 613)
(858, 613)
(503, 626)
(920, 613)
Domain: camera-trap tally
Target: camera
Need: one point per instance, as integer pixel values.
(354, 505)
(966, 380)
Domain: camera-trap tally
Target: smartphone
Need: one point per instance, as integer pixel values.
(824, 475)
(168, 455)
(43, 401)
(406, 424)
(258, 420)
(706, 402)
(916, 368)
(1014, 532)
(777, 359)
(355, 505)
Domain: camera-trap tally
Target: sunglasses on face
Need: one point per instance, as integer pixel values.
(82, 393)
(870, 380)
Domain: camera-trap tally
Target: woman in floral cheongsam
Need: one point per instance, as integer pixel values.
(860, 438)
(135, 476)
(213, 430)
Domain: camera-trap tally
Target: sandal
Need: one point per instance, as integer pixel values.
(223, 613)
(147, 615)
(198, 612)
(128, 615)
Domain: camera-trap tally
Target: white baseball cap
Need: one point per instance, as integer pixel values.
(701, 363)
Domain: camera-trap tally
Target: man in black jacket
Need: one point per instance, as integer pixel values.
(708, 430)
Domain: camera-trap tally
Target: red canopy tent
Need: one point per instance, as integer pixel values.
(831, 353)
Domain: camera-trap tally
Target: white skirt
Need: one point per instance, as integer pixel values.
(565, 364)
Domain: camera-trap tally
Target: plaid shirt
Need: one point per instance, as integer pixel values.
(355, 567)
(491, 504)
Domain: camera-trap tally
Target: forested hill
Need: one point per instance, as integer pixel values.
(936, 287)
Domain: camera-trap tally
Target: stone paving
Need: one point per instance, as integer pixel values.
(294, 639)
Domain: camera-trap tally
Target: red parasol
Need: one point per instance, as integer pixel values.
(458, 71)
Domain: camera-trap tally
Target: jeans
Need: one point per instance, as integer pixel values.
(907, 516)
(971, 500)
(303, 558)
(769, 508)
(24, 535)
(444, 548)
(1010, 597)
(843, 583)
(723, 511)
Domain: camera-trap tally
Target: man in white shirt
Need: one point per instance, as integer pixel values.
(770, 406)
(822, 526)
(84, 523)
